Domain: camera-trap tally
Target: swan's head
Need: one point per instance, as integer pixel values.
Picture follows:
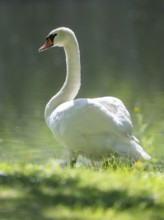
(57, 38)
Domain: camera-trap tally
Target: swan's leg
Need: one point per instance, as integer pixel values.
(73, 159)
(73, 162)
(108, 162)
(111, 161)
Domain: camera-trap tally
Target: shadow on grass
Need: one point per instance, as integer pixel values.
(39, 194)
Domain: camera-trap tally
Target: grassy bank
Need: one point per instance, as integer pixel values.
(47, 192)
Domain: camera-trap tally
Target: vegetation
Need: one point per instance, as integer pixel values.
(46, 192)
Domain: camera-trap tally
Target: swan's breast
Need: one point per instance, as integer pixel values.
(65, 118)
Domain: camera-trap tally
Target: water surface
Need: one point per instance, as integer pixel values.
(121, 54)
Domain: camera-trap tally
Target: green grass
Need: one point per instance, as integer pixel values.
(47, 192)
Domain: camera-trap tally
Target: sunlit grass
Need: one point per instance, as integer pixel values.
(51, 192)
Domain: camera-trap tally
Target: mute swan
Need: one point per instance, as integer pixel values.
(95, 128)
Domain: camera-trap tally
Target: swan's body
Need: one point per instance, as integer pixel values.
(95, 128)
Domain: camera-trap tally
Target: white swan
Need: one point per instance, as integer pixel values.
(95, 128)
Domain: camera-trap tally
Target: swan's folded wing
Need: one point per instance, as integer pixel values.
(89, 116)
(118, 111)
(96, 118)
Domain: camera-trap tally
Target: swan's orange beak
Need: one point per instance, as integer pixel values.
(46, 45)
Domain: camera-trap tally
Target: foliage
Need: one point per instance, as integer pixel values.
(46, 192)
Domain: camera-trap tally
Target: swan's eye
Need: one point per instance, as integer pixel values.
(51, 37)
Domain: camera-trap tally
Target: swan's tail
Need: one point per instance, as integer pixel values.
(145, 156)
(133, 149)
(136, 145)
(138, 152)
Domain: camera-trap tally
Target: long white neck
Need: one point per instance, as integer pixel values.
(71, 85)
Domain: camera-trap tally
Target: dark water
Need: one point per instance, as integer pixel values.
(121, 44)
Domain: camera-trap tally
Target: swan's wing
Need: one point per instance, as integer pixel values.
(93, 116)
(118, 111)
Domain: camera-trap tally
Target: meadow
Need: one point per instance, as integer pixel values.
(45, 192)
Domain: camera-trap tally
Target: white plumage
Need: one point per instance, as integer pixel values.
(95, 128)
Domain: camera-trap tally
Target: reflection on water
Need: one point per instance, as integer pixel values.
(28, 142)
(121, 55)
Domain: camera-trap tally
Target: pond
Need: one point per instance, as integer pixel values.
(121, 55)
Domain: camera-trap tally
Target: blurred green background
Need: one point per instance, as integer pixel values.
(122, 51)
